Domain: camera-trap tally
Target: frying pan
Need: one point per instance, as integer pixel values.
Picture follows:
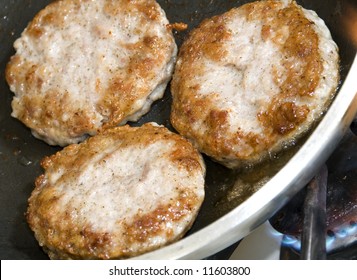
(226, 216)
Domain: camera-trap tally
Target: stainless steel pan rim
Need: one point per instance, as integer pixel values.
(274, 194)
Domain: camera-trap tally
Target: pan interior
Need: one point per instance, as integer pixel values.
(21, 153)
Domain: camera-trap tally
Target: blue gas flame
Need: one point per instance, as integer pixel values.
(347, 232)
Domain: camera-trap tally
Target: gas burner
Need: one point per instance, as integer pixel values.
(321, 220)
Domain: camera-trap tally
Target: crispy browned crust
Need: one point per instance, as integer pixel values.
(279, 118)
(43, 111)
(76, 155)
(63, 237)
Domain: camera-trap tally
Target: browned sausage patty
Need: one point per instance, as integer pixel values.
(121, 193)
(252, 80)
(80, 65)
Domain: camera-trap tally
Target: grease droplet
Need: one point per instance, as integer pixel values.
(24, 161)
(17, 152)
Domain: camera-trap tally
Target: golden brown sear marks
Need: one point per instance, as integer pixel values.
(119, 194)
(275, 72)
(81, 65)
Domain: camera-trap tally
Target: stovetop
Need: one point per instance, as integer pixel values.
(280, 237)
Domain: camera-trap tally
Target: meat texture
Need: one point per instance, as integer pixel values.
(253, 80)
(81, 65)
(121, 193)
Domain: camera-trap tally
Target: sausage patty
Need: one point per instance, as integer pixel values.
(253, 80)
(121, 193)
(81, 65)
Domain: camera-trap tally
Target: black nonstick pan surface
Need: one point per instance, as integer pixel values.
(21, 153)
